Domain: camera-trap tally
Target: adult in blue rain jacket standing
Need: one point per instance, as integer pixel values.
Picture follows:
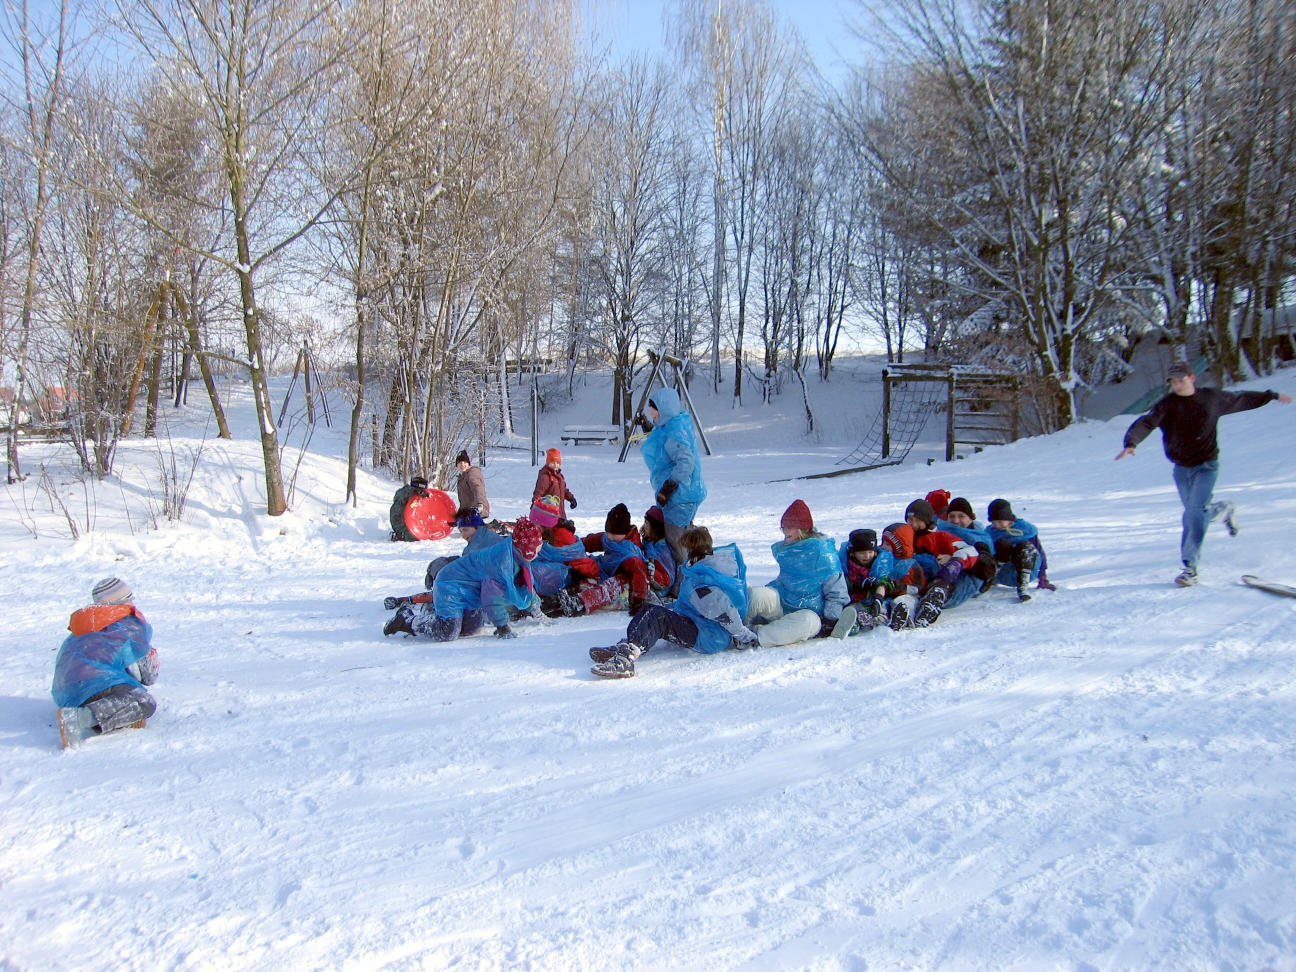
(674, 468)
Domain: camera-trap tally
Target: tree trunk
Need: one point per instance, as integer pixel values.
(204, 366)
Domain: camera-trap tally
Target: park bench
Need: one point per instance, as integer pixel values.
(601, 434)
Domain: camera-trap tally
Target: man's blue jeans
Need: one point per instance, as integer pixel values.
(1196, 484)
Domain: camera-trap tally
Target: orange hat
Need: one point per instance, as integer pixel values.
(553, 455)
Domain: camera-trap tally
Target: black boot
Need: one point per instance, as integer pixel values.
(570, 604)
(929, 609)
(620, 665)
(399, 622)
(1024, 559)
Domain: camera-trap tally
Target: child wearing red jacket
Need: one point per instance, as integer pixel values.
(622, 565)
(945, 559)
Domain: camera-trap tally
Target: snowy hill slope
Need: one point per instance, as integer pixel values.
(1100, 778)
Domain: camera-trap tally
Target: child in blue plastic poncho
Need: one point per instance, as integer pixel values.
(1018, 549)
(478, 587)
(674, 467)
(706, 617)
(103, 666)
(809, 596)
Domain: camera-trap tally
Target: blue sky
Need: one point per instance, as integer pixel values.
(636, 25)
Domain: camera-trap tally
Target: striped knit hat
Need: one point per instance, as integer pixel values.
(546, 511)
(112, 590)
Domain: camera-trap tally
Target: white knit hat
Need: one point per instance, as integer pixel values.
(112, 590)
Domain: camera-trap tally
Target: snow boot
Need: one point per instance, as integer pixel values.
(1187, 577)
(570, 604)
(930, 607)
(75, 723)
(621, 647)
(399, 622)
(901, 610)
(844, 624)
(1025, 557)
(620, 665)
(1044, 584)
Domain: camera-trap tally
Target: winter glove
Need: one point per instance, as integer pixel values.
(572, 501)
(985, 568)
(746, 640)
(145, 670)
(392, 603)
(667, 490)
(641, 420)
(826, 628)
(504, 631)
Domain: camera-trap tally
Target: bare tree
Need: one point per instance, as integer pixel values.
(43, 48)
(629, 213)
(258, 73)
(105, 337)
(171, 167)
(1054, 109)
(1247, 178)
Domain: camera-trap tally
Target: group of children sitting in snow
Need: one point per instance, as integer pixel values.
(939, 557)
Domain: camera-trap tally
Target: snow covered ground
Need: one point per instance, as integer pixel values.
(1102, 778)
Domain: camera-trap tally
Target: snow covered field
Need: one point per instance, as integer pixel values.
(1102, 778)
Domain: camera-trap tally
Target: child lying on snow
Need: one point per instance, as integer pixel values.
(706, 617)
(484, 583)
(623, 565)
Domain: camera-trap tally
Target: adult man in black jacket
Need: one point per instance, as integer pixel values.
(1187, 419)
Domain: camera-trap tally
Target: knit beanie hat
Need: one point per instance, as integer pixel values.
(419, 482)
(1180, 369)
(463, 457)
(939, 499)
(655, 514)
(553, 455)
(527, 538)
(960, 505)
(797, 517)
(863, 540)
(545, 511)
(112, 590)
(1000, 509)
(921, 509)
(618, 520)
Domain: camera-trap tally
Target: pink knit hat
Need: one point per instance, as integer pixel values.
(546, 511)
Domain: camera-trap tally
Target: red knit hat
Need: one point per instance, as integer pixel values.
(797, 516)
(939, 499)
(553, 455)
(527, 538)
